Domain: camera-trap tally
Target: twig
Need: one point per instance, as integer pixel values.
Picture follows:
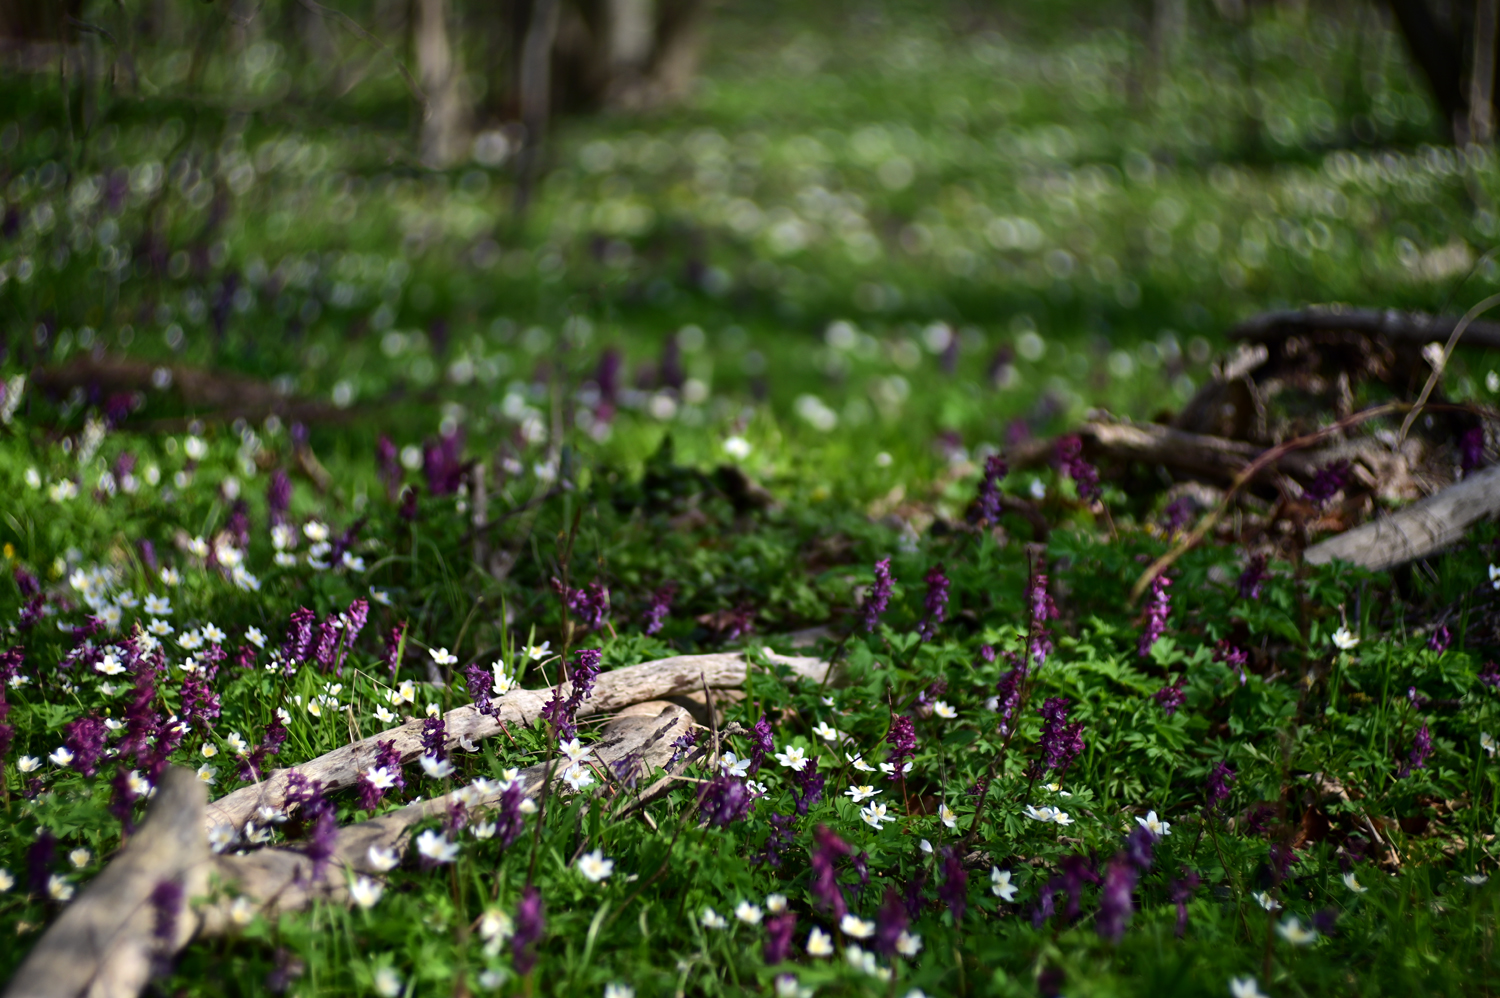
(1441, 364)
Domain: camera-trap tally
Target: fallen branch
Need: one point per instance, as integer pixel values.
(1416, 530)
(1409, 327)
(1151, 443)
(104, 944)
(613, 691)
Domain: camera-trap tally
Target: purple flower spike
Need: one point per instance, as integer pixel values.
(1085, 476)
(780, 930)
(393, 648)
(1327, 482)
(1116, 903)
(1440, 639)
(1217, 786)
(659, 607)
(723, 801)
(530, 923)
(1253, 578)
(279, 496)
(825, 885)
(299, 637)
(935, 602)
(988, 503)
(85, 738)
(890, 923)
(879, 596)
(1171, 697)
(954, 890)
(1157, 612)
(1421, 749)
(902, 739)
(1061, 742)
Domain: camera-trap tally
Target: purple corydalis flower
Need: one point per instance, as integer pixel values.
(1253, 578)
(561, 712)
(166, 905)
(1157, 611)
(1440, 639)
(680, 746)
(761, 743)
(85, 738)
(809, 788)
(1421, 749)
(879, 596)
(723, 800)
(326, 643)
(1116, 904)
(1471, 449)
(903, 740)
(1139, 845)
(1182, 892)
(935, 603)
(1171, 697)
(1177, 514)
(299, 637)
(1061, 742)
(509, 819)
(890, 923)
(39, 861)
(26, 582)
(1217, 787)
(530, 923)
(1070, 460)
(434, 738)
(825, 885)
(388, 759)
(954, 890)
(1073, 872)
(394, 646)
(780, 929)
(987, 506)
(1042, 610)
(1327, 482)
(387, 458)
(777, 842)
(200, 704)
(479, 681)
(1232, 657)
(442, 463)
(279, 496)
(588, 607)
(658, 607)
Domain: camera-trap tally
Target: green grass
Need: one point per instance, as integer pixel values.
(879, 243)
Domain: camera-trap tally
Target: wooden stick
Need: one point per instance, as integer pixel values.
(613, 691)
(1409, 327)
(104, 944)
(1417, 530)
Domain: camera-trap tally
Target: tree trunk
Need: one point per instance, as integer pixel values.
(440, 68)
(1438, 52)
(1482, 75)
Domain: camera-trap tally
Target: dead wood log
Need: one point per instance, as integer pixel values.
(1417, 530)
(278, 880)
(211, 394)
(1151, 443)
(104, 944)
(613, 692)
(1413, 328)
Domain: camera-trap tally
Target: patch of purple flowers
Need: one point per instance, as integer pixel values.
(1157, 611)
(935, 603)
(879, 596)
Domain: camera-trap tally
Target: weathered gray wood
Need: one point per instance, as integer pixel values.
(1409, 327)
(614, 691)
(103, 944)
(1418, 530)
(278, 880)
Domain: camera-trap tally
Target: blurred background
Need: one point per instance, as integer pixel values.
(891, 235)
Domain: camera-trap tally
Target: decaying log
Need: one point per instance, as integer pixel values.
(1416, 530)
(1400, 327)
(1151, 443)
(104, 943)
(614, 690)
(210, 394)
(278, 880)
